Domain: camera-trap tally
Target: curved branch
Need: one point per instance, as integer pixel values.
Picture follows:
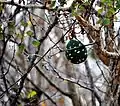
(95, 35)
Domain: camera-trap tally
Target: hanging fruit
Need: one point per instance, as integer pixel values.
(76, 52)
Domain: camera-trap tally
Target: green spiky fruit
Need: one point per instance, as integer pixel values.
(76, 52)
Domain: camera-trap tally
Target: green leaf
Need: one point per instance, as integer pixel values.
(81, 7)
(74, 13)
(106, 21)
(52, 3)
(36, 43)
(19, 35)
(112, 10)
(1, 36)
(103, 1)
(118, 4)
(99, 21)
(32, 94)
(1, 7)
(21, 48)
(11, 26)
(107, 1)
(23, 23)
(100, 10)
(29, 33)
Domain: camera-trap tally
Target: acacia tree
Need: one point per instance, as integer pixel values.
(36, 72)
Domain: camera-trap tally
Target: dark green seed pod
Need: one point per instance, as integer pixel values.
(76, 52)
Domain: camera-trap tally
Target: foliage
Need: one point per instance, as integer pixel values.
(21, 49)
(37, 31)
(31, 94)
(36, 43)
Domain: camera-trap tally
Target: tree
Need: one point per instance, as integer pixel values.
(48, 49)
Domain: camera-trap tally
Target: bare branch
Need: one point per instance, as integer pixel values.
(51, 83)
(41, 91)
(24, 6)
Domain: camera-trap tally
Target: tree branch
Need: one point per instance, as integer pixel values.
(95, 35)
(51, 83)
(24, 6)
(40, 91)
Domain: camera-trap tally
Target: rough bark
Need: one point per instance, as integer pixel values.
(106, 55)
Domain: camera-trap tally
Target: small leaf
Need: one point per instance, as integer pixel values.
(29, 33)
(112, 10)
(23, 23)
(29, 23)
(21, 48)
(107, 1)
(118, 4)
(100, 11)
(1, 7)
(36, 43)
(81, 7)
(99, 21)
(19, 35)
(1, 36)
(106, 21)
(31, 94)
(52, 3)
(11, 26)
(103, 1)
